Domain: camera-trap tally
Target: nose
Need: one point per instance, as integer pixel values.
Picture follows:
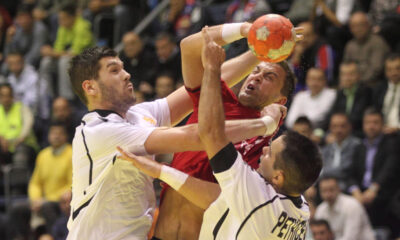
(127, 76)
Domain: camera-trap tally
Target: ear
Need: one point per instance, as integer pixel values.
(90, 87)
(282, 100)
(278, 179)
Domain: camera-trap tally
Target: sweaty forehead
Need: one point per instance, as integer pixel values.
(109, 61)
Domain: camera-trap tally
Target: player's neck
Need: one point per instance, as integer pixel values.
(94, 106)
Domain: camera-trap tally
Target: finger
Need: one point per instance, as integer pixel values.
(125, 154)
(206, 36)
(299, 30)
(299, 37)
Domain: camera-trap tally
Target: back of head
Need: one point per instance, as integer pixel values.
(290, 80)
(86, 66)
(69, 8)
(300, 161)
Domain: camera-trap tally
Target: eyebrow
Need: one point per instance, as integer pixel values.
(112, 63)
(272, 73)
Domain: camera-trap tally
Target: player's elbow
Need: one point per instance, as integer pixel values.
(211, 133)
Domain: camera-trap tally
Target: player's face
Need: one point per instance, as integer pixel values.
(268, 159)
(329, 190)
(321, 232)
(263, 86)
(115, 88)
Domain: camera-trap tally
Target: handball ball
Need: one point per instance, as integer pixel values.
(272, 38)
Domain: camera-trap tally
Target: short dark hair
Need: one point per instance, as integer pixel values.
(7, 85)
(320, 222)
(24, 9)
(86, 66)
(392, 57)
(69, 8)
(340, 113)
(373, 111)
(304, 120)
(350, 62)
(290, 80)
(300, 161)
(165, 35)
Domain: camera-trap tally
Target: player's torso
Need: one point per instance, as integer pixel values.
(282, 221)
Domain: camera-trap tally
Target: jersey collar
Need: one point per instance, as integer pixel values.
(104, 113)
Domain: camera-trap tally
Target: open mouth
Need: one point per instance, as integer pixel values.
(250, 87)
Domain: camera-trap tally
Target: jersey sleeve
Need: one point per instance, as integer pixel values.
(157, 109)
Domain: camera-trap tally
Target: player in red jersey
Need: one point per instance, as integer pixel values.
(266, 83)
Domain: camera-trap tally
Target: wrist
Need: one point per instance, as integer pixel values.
(270, 124)
(231, 32)
(173, 177)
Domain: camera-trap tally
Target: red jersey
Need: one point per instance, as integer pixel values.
(196, 163)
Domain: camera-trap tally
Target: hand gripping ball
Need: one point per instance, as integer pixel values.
(272, 38)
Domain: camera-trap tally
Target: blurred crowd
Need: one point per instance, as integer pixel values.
(347, 99)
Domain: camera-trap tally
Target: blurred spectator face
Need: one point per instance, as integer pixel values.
(340, 127)
(321, 232)
(139, 97)
(61, 109)
(303, 129)
(65, 202)
(15, 63)
(309, 35)
(359, 25)
(6, 97)
(315, 80)
(24, 20)
(372, 125)
(132, 44)
(57, 136)
(348, 75)
(164, 86)
(329, 190)
(65, 20)
(164, 48)
(392, 70)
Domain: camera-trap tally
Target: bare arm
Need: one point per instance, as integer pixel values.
(180, 105)
(186, 138)
(192, 68)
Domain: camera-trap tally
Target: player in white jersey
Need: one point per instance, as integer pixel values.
(254, 204)
(111, 198)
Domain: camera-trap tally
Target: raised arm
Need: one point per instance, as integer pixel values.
(211, 109)
(192, 67)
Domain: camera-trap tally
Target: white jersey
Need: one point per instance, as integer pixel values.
(111, 199)
(249, 207)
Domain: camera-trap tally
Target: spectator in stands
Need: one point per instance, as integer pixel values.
(24, 77)
(315, 102)
(73, 36)
(304, 126)
(387, 95)
(136, 56)
(26, 36)
(52, 176)
(313, 51)
(62, 112)
(299, 11)
(321, 230)
(17, 142)
(373, 179)
(245, 10)
(60, 230)
(337, 156)
(127, 13)
(331, 19)
(46, 11)
(366, 49)
(345, 214)
(385, 18)
(353, 97)
(168, 54)
(165, 84)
